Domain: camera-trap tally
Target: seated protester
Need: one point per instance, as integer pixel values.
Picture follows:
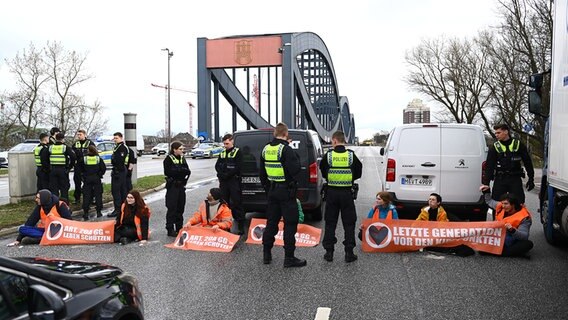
(213, 213)
(517, 220)
(48, 204)
(435, 212)
(383, 209)
(133, 221)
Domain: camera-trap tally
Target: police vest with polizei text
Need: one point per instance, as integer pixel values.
(340, 174)
(91, 160)
(229, 158)
(37, 153)
(272, 156)
(57, 154)
(508, 158)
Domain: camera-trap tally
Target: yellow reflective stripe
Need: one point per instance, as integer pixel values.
(91, 160)
(231, 154)
(37, 158)
(513, 147)
(57, 154)
(340, 174)
(175, 160)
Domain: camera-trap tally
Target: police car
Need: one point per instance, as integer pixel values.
(105, 149)
(207, 150)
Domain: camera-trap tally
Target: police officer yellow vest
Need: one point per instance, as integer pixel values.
(339, 174)
(229, 155)
(272, 164)
(37, 151)
(91, 160)
(513, 147)
(57, 154)
(176, 161)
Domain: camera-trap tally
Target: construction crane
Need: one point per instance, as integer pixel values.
(191, 106)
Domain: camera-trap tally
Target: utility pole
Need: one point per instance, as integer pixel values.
(168, 119)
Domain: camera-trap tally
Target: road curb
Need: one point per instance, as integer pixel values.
(79, 213)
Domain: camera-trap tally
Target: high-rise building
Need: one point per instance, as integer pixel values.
(416, 112)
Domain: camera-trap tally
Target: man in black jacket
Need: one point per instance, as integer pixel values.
(119, 162)
(279, 166)
(61, 159)
(80, 148)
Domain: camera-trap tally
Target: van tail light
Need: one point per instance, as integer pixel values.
(313, 172)
(483, 166)
(391, 170)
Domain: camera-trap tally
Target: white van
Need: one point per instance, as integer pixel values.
(448, 159)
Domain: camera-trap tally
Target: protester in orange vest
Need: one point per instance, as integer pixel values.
(133, 222)
(517, 221)
(48, 204)
(383, 209)
(434, 211)
(213, 213)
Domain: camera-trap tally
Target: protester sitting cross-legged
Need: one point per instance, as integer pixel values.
(383, 209)
(517, 222)
(435, 212)
(48, 204)
(133, 221)
(213, 213)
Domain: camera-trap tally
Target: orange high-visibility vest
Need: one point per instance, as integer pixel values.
(376, 214)
(514, 219)
(52, 212)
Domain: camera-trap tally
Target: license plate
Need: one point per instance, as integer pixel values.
(250, 179)
(416, 181)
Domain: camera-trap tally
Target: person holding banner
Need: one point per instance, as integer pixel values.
(213, 213)
(133, 221)
(93, 169)
(340, 167)
(177, 173)
(279, 166)
(517, 222)
(47, 204)
(383, 209)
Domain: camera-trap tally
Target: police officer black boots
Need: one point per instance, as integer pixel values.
(291, 262)
(349, 255)
(328, 256)
(267, 256)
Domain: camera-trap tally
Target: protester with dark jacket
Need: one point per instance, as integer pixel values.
(48, 204)
(132, 224)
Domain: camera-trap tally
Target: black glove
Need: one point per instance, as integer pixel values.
(530, 185)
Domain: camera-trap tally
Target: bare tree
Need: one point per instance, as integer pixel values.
(448, 71)
(30, 71)
(8, 122)
(66, 71)
(88, 118)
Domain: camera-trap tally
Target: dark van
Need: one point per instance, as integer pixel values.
(307, 145)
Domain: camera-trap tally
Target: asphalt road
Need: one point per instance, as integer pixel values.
(196, 285)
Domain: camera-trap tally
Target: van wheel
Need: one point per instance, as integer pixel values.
(553, 237)
(317, 213)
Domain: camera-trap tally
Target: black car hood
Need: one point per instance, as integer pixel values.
(74, 275)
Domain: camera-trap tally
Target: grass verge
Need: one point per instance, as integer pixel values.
(15, 214)
(3, 171)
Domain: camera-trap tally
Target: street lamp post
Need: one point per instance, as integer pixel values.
(168, 119)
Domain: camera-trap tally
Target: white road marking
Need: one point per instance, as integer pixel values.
(322, 313)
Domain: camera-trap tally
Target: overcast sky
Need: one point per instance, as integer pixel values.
(367, 41)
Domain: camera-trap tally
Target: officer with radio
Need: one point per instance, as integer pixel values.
(340, 167)
(279, 167)
(61, 159)
(503, 165)
(80, 147)
(228, 167)
(42, 169)
(119, 161)
(177, 173)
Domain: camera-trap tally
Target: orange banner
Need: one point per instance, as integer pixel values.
(412, 235)
(204, 239)
(306, 236)
(63, 231)
(244, 52)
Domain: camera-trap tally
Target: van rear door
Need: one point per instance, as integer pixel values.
(251, 145)
(418, 163)
(463, 150)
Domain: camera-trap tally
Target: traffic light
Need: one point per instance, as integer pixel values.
(535, 95)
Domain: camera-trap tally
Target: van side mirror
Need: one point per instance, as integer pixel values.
(45, 304)
(382, 152)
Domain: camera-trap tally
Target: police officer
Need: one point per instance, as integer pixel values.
(228, 169)
(177, 173)
(54, 131)
(279, 166)
(61, 159)
(119, 161)
(503, 165)
(80, 148)
(132, 160)
(93, 168)
(42, 169)
(340, 167)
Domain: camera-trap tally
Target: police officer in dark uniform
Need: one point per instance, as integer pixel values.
(503, 165)
(93, 168)
(132, 160)
(177, 173)
(54, 131)
(279, 167)
(61, 159)
(119, 161)
(340, 167)
(228, 169)
(80, 148)
(42, 169)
